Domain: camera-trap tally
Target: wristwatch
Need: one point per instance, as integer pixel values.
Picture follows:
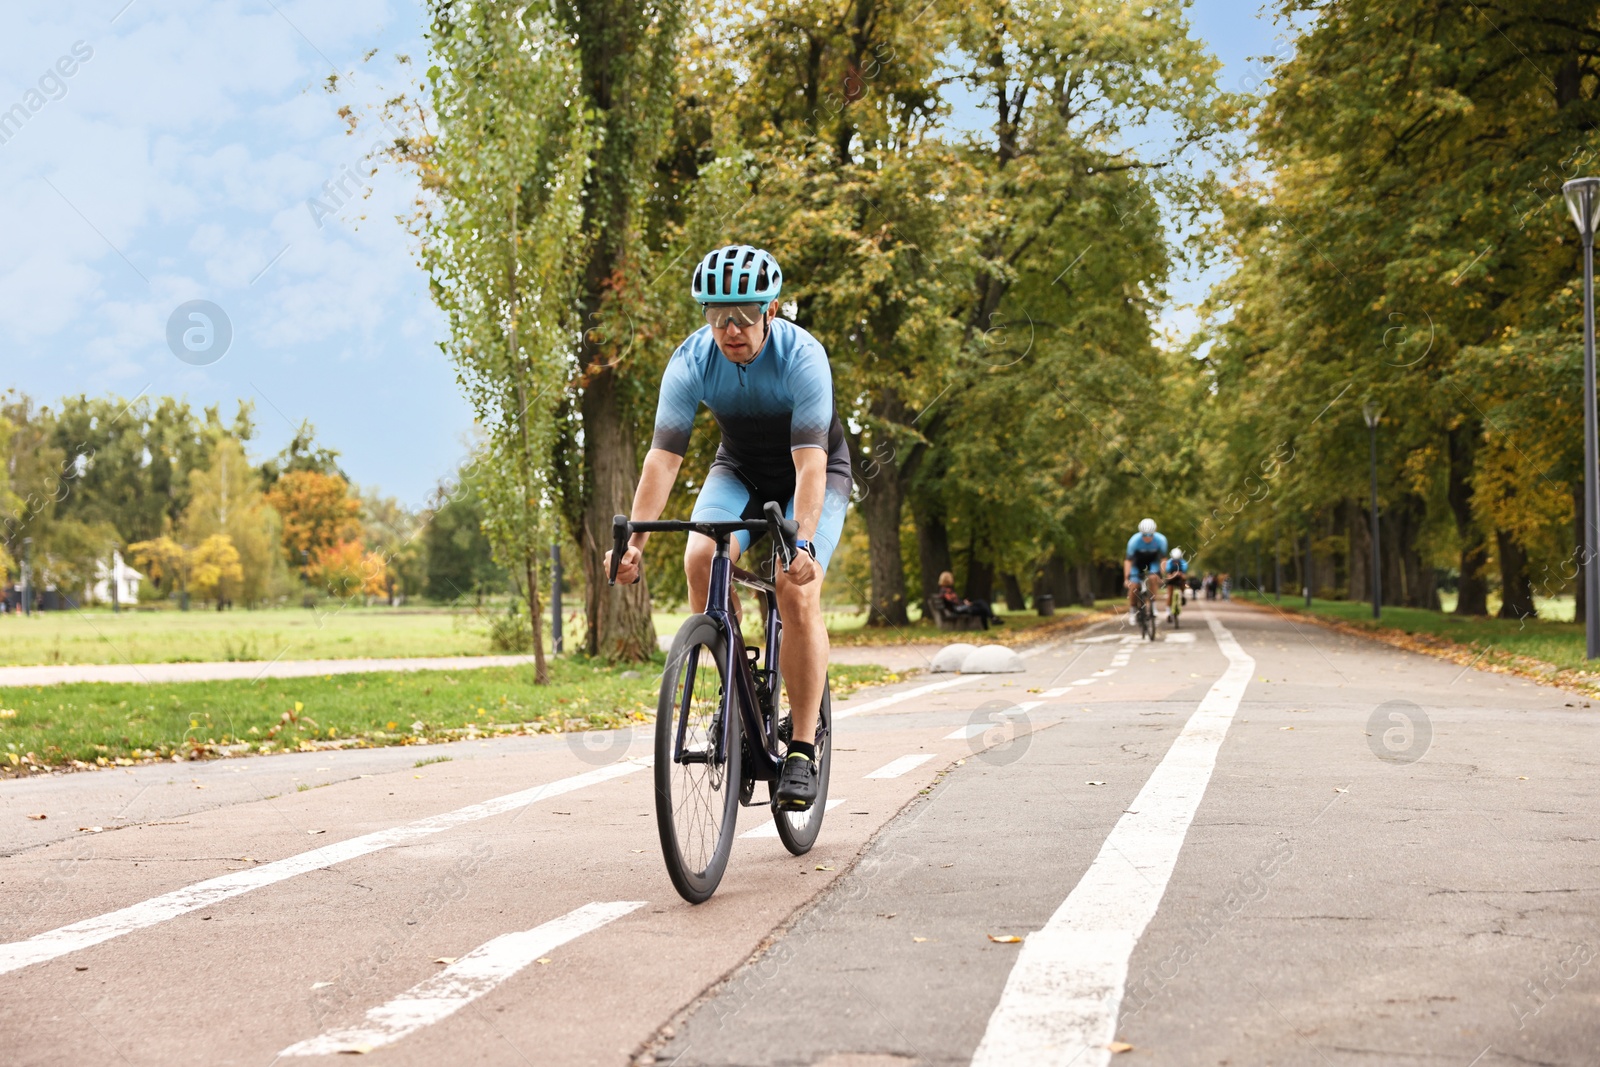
(801, 544)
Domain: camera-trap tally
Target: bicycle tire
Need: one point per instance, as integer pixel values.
(697, 804)
(798, 830)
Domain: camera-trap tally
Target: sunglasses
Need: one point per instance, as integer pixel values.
(720, 315)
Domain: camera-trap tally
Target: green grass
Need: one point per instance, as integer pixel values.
(102, 723)
(1558, 643)
(169, 636)
(852, 629)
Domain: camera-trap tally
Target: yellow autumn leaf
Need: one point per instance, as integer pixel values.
(1005, 939)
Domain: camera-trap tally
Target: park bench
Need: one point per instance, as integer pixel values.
(948, 620)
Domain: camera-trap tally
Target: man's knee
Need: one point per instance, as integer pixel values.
(697, 556)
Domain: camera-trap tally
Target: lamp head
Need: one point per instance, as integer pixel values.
(1583, 201)
(1372, 413)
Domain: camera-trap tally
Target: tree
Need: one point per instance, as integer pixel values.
(164, 561)
(213, 569)
(460, 560)
(226, 498)
(318, 513)
(345, 570)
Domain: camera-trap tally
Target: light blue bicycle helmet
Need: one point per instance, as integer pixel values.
(737, 274)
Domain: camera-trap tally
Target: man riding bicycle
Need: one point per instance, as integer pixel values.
(768, 384)
(1146, 551)
(1177, 575)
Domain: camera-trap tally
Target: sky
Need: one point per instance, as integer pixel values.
(187, 215)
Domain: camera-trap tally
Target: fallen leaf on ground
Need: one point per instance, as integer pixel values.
(316, 831)
(1120, 1046)
(1094, 783)
(636, 850)
(1336, 789)
(821, 867)
(357, 1050)
(1005, 939)
(1520, 778)
(445, 959)
(91, 829)
(887, 914)
(919, 940)
(39, 816)
(542, 959)
(80, 968)
(1286, 727)
(11, 713)
(320, 985)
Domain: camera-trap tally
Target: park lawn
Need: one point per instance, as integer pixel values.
(164, 635)
(122, 723)
(1559, 644)
(852, 629)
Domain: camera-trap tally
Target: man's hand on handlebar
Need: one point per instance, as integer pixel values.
(803, 570)
(629, 567)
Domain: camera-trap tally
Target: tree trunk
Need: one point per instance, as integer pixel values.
(541, 669)
(1358, 524)
(1516, 590)
(1014, 598)
(1473, 595)
(980, 577)
(620, 627)
(880, 504)
(1083, 580)
(933, 549)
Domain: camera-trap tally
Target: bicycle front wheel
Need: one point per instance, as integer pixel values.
(697, 787)
(798, 829)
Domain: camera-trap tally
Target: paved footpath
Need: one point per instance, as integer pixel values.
(1253, 842)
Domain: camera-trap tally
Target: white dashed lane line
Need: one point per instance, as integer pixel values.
(80, 935)
(895, 768)
(896, 698)
(462, 982)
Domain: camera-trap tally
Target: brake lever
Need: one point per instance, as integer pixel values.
(619, 544)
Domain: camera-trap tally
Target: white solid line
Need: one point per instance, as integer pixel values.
(770, 828)
(464, 981)
(895, 698)
(1061, 1001)
(80, 935)
(1085, 681)
(895, 768)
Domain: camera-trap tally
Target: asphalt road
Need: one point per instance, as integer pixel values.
(1250, 843)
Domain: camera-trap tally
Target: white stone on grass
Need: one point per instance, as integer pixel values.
(951, 657)
(992, 659)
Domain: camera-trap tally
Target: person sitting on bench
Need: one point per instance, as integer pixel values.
(956, 605)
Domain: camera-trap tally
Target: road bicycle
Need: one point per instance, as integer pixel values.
(1177, 606)
(1145, 609)
(722, 723)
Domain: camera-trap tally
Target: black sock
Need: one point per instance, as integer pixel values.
(803, 748)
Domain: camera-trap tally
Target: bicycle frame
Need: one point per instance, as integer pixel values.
(719, 608)
(765, 760)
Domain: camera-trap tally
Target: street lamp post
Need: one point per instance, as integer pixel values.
(1583, 200)
(1372, 413)
(27, 576)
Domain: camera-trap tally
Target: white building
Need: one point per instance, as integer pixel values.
(125, 578)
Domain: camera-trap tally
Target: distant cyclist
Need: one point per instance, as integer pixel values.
(1177, 579)
(1147, 549)
(769, 386)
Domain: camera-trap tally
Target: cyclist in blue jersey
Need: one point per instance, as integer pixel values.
(767, 383)
(1147, 549)
(1177, 575)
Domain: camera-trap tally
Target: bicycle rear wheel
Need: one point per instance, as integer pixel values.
(798, 829)
(697, 801)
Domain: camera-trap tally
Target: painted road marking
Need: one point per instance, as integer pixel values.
(464, 981)
(895, 698)
(1061, 1000)
(81, 935)
(770, 827)
(895, 768)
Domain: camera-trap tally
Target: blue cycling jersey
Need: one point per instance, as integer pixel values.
(1146, 553)
(778, 402)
